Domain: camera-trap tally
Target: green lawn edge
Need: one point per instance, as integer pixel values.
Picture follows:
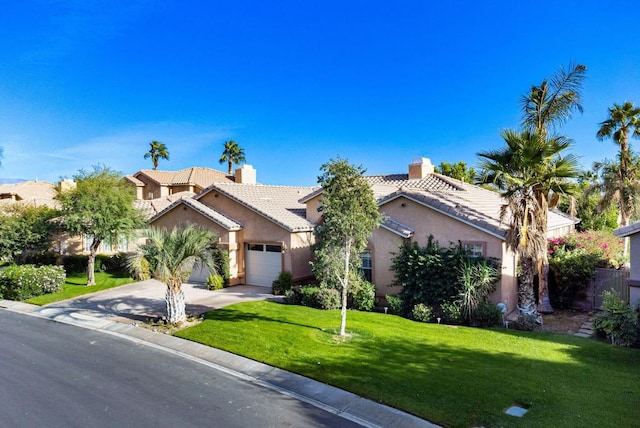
(75, 285)
(455, 376)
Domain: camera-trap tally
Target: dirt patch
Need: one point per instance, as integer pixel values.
(564, 321)
(161, 325)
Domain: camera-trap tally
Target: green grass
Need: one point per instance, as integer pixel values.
(75, 285)
(456, 376)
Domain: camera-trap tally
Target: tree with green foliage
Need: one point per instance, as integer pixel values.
(623, 123)
(349, 216)
(172, 255)
(232, 154)
(25, 230)
(100, 205)
(458, 170)
(156, 152)
(551, 103)
(587, 205)
(531, 173)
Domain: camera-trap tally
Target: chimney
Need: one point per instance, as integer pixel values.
(420, 168)
(245, 174)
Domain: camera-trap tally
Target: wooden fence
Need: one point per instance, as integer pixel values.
(607, 279)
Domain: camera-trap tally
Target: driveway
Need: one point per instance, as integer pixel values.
(142, 300)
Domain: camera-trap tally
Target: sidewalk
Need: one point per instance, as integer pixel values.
(85, 312)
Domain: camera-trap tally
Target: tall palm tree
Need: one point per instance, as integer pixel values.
(530, 174)
(232, 154)
(157, 151)
(623, 122)
(551, 103)
(618, 187)
(172, 255)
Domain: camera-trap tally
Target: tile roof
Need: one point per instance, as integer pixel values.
(279, 204)
(151, 207)
(397, 227)
(200, 176)
(468, 203)
(629, 230)
(37, 193)
(465, 202)
(212, 214)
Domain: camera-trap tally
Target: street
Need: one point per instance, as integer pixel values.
(58, 375)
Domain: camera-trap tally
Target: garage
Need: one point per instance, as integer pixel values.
(263, 263)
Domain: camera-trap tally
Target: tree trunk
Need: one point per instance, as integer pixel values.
(345, 289)
(526, 297)
(544, 304)
(91, 263)
(176, 307)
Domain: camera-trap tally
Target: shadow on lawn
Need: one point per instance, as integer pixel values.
(228, 314)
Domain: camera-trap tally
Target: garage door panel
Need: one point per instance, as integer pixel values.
(263, 264)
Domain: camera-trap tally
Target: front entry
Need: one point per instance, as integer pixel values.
(263, 263)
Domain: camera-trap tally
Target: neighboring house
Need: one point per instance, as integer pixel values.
(633, 233)
(268, 229)
(35, 193)
(154, 184)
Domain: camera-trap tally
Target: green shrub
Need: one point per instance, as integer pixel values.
(478, 280)
(75, 263)
(487, 314)
(282, 284)
(395, 304)
(452, 313)
(27, 281)
(362, 296)
(433, 275)
(293, 296)
(617, 322)
(570, 273)
(114, 263)
(215, 282)
(320, 297)
(525, 322)
(221, 259)
(422, 313)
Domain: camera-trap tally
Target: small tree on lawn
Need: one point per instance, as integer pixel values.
(172, 255)
(100, 205)
(349, 215)
(25, 230)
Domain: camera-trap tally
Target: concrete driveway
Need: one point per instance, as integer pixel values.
(142, 300)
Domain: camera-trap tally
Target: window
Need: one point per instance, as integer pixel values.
(88, 240)
(367, 266)
(474, 249)
(123, 243)
(106, 246)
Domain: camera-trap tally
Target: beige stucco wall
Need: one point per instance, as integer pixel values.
(313, 215)
(446, 230)
(183, 214)
(634, 269)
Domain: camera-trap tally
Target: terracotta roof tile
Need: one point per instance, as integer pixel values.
(31, 192)
(200, 176)
(210, 213)
(280, 204)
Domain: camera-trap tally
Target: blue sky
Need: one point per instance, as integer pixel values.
(295, 83)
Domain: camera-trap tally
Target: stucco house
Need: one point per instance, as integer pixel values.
(156, 184)
(34, 193)
(268, 229)
(633, 233)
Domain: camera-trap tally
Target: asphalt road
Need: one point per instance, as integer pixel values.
(59, 375)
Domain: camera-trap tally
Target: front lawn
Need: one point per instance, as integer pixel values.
(75, 285)
(456, 376)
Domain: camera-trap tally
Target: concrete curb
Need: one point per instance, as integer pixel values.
(343, 403)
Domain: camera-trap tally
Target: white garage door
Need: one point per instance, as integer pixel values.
(263, 263)
(199, 274)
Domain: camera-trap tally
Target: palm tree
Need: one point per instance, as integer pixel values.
(172, 255)
(232, 154)
(157, 151)
(619, 188)
(623, 122)
(530, 174)
(551, 103)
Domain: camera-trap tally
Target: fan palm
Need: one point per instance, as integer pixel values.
(157, 151)
(618, 187)
(530, 174)
(232, 154)
(172, 255)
